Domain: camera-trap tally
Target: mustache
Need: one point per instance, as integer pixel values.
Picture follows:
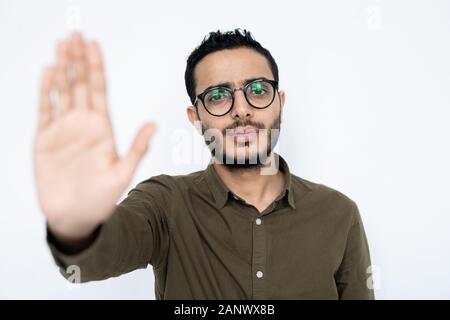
(243, 123)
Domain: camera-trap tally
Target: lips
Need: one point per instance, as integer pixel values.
(244, 134)
(244, 131)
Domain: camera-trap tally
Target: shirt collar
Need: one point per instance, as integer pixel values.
(221, 192)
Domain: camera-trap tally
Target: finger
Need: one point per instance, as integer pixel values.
(62, 86)
(96, 78)
(139, 147)
(79, 93)
(63, 54)
(45, 108)
(61, 78)
(77, 57)
(80, 96)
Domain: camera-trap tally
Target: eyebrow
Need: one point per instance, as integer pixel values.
(229, 84)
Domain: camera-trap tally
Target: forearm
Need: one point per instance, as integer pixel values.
(112, 249)
(70, 245)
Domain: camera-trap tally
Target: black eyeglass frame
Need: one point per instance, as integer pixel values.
(201, 96)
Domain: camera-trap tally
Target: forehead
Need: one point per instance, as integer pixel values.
(230, 65)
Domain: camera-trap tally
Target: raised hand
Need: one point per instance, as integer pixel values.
(79, 175)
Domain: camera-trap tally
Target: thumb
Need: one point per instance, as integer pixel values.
(136, 152)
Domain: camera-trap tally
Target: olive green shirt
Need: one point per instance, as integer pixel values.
(204, 242)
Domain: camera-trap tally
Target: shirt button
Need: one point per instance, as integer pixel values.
(258, 221)
(259, 274)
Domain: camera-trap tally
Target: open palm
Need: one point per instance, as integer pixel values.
(78, 173)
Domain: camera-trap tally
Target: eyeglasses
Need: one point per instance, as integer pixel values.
(218, 101)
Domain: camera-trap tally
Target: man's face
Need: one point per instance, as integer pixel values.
(245, 132)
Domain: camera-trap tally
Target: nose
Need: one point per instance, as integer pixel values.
(241, 108)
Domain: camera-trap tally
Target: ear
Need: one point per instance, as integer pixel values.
(192, 114)
(282, 98)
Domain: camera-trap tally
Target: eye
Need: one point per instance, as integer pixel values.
(218, 94)
(258, 88)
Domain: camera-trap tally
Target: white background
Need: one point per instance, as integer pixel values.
(367, 112)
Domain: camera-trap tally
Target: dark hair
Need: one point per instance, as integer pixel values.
(216, 41)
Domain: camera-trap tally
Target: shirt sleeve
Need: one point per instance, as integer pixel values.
(353, 279)
(136, 235)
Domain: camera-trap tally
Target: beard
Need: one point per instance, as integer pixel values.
(249, 154)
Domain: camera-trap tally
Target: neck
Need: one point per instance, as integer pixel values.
(257, 185)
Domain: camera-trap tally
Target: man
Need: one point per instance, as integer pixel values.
(243, 228)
